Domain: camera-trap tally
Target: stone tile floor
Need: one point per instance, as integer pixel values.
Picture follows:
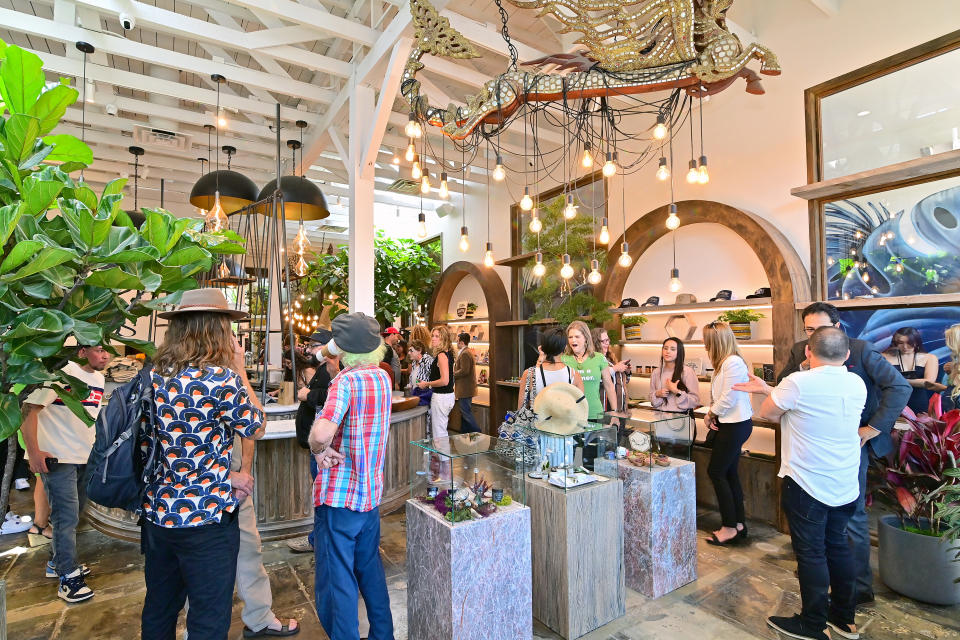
(737, 590)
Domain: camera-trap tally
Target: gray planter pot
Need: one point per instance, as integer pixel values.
(917, 566)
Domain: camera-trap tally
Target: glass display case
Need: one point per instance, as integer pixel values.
(572, 459)
(466, 476)
(652, 437)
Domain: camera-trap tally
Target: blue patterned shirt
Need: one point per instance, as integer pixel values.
(198, 412)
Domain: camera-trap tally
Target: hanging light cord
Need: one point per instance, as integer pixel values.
(690, 118)
(136, 180)
(218, 139)
(701, 125)
(671, 162)
(487, 169)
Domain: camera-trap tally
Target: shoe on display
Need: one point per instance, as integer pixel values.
(15, 524)
(844, 630)
(51, 571)
(21, 484)
(794, 628)
(300, 545)
(73, 588)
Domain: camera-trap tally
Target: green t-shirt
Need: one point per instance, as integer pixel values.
(590, 373)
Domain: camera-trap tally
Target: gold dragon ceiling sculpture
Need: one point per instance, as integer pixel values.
(632, 46)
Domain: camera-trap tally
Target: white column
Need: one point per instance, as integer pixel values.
(362, 110)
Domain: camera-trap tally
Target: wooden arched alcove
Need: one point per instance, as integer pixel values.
(498, 308)
(789, 281)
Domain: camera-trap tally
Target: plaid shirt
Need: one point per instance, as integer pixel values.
(359, 400)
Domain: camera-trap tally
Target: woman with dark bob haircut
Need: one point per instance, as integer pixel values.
(920, 368)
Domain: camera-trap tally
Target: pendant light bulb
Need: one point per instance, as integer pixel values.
(604, 232)
(223, 271)
(587, 160)
(693, 176)
(413, 128)
(566, 271)
(609, 167)
(416, 172)
(488, 260)
(660, 129)
(443, 191)
(673, 220)
(464, 240)
(536, 225)
(538, 268)
(675, 284)
(215, 217)
(625, 260)
(425, 184)
(595, 276)
(526, 202)
(301, 267)
(570, 211)
(663, 172)
(498, 173)
(704, 175)
(421, 225)
(411, 153)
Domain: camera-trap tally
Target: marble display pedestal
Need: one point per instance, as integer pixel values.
(577, 555)
(470, 581)
(659, 526)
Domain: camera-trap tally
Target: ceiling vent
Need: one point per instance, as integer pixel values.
(402, 185)
(445, 209)
(158, 138)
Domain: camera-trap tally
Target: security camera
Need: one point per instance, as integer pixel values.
(111, 109)
(127, 21)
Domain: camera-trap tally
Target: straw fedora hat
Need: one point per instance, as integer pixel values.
(208, 300)
(561, 408)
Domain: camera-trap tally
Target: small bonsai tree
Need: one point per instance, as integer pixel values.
(633, 321)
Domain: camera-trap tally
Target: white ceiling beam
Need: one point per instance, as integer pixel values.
(323, 22)
(388, 93)
(829, 8)
(341, 146)
(489, 38)
(156, 55)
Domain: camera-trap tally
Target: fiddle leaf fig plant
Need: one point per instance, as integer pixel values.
(72, 265)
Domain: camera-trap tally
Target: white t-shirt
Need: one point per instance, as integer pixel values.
(59, 432)
(820, 447)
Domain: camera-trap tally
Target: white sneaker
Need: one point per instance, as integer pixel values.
(73, 588)
(51, 572)
(21, 484)
(15, 524)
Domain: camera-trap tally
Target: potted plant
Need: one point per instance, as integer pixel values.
(922, 487)
(633, 326)
(471, 309)
(739, 320)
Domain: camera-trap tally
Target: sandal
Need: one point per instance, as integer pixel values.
(37, 530)
(717, 542)
(267, 632)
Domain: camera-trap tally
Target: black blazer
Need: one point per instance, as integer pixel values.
(307, 411)
(887, 390)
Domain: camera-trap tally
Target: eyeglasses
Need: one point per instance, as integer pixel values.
(605, 341)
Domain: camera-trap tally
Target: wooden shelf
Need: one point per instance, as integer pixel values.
(505, 383)
(524, 323)
(516, 261)
(699, 343)
(932, 300)
(698, 307)
(466, 321)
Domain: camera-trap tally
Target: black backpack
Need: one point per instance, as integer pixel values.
(117, 470)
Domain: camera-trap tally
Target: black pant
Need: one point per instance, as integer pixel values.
(724, 460)
(199, 562)
(824, 558)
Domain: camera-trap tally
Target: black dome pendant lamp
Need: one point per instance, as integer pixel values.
(302, 198)
(136, 216)
(222, 191)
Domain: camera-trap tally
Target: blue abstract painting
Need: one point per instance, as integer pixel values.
(877, 326)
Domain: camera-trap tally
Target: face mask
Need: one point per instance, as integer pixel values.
(316, 358)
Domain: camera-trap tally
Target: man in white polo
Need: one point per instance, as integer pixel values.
(819, 412)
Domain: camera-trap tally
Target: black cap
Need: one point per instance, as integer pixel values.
(628, 302)
(652, 301)
(356, 332)
(321, 336)
(762, 292)
(723, 294)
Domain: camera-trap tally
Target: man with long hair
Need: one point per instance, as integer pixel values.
(349, 440)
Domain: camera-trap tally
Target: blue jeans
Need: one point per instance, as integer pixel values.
(858, 531)
(824, 561)
(347, 554)
(199, 562)
(66, 493)
(314, 470)
(468, 423)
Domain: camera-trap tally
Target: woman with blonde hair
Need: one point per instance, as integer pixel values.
(950, 391)
(421, 333)
(592, 368)
(441, 381)
(731, 420)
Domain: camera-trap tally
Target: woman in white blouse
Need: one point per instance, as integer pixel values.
(731, 419)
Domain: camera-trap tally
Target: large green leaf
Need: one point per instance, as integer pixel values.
(62, 276)
(32, 372)
(67, 148)
(143, 345)
(51, 106)
(156, 229)
(9, 216)
(20, 253)
(47, 258)
(20, 137)
(23, 79)
(42, 290)
(39, 192)
(10, 417)
(73, 402)
(39, 155)
(114, 187)
(142, 254)
(87, 332)
(114, 278)
(38, 345)
(82, 192)
(39, 320)
(184, 257)
(119, 239)
(88, 301)
(79, 219)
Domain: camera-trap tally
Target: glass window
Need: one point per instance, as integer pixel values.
(900, 116)
(899, 242)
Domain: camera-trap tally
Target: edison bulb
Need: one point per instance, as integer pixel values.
(703, 176)
(301, 268)
(443, 191)
(539, 269)
(216, 217)
(609, 168)
(570, 211)
(526, 202)
(660, 129)
(594, 277)
(604, 232)
(498, 172)
(412, 128)
(425, 185)
(675, 285)
(625, 260)
(673, 221)
(222, 122)
(411, 153)
(422, 225)
(536, 226)
(488, 260)
(415, 171)
(566, 271)
(587, 160)
(693, 176)
(464, 240)
(663, 172)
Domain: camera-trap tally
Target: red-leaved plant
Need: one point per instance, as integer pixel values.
(916, 477)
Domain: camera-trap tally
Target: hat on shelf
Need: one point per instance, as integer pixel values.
(723, 294)
(321, 336)
(762, 292)
(355, 333)
(686, 298)
(652, 301)
(561, 408)
(628, 303)
(210, 300)
(390, 331)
